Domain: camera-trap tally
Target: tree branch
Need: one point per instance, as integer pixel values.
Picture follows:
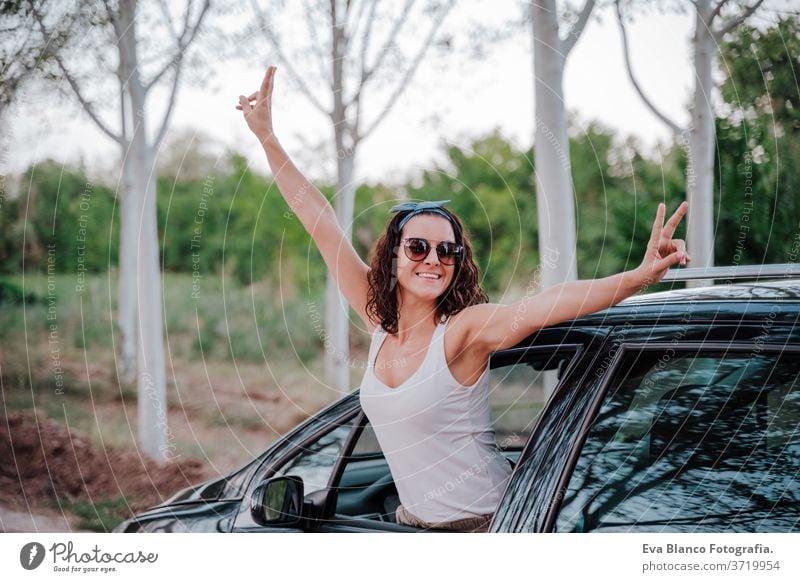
(671, 124)
(409, 73)
(715, 12)
(312, 33)
(87, 107)
(576, 30)
(162, 4)
(364, 48)
(273, 41)
(718, 34)
(366, 73)
(168, 113)
(182, 41)
(112, 17)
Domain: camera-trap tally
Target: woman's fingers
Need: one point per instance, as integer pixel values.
(244, 105)
(264, 92)
(266, 84)
(252, 97)
(675, 219)
(658, 225)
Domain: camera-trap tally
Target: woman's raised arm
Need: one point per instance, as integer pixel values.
(495, 326)
(307, 202)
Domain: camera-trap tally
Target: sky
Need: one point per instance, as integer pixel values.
(443, 106)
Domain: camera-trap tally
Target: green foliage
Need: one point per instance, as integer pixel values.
(13, 294)
(99, 515)
(67, 223)
(759, 151)
(762, 70)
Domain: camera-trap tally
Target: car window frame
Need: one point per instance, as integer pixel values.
(591, 341)
(286, 448)
(500, 359)
(637, 346)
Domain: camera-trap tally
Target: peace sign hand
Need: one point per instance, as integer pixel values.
(662, 250)
(259, 115)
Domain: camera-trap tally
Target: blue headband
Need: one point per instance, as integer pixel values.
(414, 208)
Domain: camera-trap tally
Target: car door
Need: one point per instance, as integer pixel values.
(311, 452)
(690, 428)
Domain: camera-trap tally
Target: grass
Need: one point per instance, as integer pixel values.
(243, 367)
(101, 515)
(223, 321)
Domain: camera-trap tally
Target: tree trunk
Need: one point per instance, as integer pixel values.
(126, 280)
(700, 158)
(337, 350)
(554, 200)
(151, 385)
(151, 381)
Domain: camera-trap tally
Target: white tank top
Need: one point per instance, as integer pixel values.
(437, 437)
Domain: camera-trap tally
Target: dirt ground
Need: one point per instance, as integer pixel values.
(41, 461)
(80, 449)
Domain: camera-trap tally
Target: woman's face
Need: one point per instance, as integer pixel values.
(428, 278)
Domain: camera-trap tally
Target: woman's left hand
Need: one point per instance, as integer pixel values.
(663, 251)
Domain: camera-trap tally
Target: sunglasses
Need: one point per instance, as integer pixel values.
(417, 249)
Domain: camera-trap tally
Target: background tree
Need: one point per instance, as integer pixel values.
(110, 33)
(352, 49)
(554, 187)
(713, 20)
(758, 137)
(22, 52)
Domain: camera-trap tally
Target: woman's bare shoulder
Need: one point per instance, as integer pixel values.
(464, 327)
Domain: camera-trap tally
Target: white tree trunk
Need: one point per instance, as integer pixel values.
(151, 385)
(126, 279)
(337, 351)
(554, 199)
(700, 158)
(151, 381)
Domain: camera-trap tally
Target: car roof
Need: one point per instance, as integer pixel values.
(738, 302)
(779, 290)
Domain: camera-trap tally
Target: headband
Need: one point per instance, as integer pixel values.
(414, 208)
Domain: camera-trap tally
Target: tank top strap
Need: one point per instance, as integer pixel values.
(437, 342)
(375, 342)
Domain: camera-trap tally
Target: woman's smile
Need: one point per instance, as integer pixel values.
(429, 276)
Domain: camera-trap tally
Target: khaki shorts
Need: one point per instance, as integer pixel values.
(479, 524)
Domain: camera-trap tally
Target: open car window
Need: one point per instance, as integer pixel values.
(365, 485)
(691, 441)
(517, 390)
(315, 463)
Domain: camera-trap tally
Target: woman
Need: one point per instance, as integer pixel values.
(425, 390)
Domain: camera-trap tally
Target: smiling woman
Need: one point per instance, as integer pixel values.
(422, 302)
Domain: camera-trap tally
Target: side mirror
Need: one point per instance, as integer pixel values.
(278, 501)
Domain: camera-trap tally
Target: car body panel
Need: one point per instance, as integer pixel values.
(587, 352)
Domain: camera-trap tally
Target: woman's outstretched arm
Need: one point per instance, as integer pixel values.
(307, 202)
(493, 327)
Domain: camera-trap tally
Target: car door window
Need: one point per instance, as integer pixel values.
(365, 485)
(315, 462)
(690, 442)
(516, 397)
(517, 390)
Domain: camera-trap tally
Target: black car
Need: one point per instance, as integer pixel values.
(676, 411)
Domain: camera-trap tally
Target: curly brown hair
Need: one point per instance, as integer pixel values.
(463, 291)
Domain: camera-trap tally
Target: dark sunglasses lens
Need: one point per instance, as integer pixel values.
(417, 249)
(448, 252)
